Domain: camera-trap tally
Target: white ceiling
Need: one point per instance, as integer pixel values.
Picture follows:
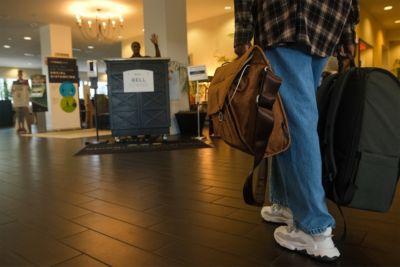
(19, 18)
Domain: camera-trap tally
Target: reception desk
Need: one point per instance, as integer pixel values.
(138, 91)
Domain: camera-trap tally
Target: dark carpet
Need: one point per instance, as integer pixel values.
(129, 147)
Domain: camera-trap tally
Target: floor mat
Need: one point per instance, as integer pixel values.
(128, 147)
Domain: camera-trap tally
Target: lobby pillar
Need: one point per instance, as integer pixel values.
(56, 41)
(167, 19)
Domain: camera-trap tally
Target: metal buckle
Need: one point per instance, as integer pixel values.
(220, 116)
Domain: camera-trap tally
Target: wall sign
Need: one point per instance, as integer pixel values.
(63, 93)
(67, 89)
(197, 73)
(138, 81)
(62, 69)
(68, 104)
(39, 93)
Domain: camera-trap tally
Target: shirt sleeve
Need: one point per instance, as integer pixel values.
(349, 33)
(244, 22)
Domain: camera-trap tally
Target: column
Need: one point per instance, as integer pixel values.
(167, 18)
(56, 41)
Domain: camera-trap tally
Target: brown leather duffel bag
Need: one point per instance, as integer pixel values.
(247, 112)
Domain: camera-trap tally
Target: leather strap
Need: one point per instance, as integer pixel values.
(264, 125)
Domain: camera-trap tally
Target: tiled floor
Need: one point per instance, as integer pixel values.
(172, 208)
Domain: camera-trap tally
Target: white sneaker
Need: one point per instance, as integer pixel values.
(319, 246)
(277, 214)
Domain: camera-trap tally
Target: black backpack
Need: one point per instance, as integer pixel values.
(359, 131)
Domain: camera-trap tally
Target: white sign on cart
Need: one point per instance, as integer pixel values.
(138, 81)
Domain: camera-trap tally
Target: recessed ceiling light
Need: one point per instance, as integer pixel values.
(90, 47)
(227, 7)
(387, 7)
(28, 38)
(29, 55)
(6, 46)
(397, 21)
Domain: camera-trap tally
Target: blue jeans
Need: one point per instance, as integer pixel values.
(296, 173)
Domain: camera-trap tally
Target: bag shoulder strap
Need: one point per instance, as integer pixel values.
(255, 194)
(329, 127)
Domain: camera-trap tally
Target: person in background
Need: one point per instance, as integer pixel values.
(298, 37)
(20, 92)
(135, 46)
(88, 107)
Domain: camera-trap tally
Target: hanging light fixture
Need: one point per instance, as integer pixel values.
(101, 20)
(103, 27)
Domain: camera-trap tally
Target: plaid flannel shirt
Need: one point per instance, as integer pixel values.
(318, 24)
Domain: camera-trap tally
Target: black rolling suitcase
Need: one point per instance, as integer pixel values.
(359, 130)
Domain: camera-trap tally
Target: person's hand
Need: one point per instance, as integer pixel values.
(345, 51)
(241, 49)
(350, 50)
(154, 39)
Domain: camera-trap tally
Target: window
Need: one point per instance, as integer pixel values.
(5, 88)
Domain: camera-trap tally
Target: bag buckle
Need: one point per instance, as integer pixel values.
(220, 116)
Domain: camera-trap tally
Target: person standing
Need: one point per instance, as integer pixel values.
(20, 92)
(135, 46)
(298, 37)
(88, 107)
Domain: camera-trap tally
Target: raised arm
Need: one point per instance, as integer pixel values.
(154, 40)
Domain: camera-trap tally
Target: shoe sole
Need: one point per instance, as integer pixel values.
(280, 220)
(305, 251)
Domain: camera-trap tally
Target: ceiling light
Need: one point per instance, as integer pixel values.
(90, 47)
(227, 7)
(387, 8)
(397, 21)
(28, 38)
(100, 20)
(6, 46)
(29, 55)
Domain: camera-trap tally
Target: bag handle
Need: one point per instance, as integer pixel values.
(244, 67)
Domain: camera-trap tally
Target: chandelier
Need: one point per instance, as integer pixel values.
(102, 26)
